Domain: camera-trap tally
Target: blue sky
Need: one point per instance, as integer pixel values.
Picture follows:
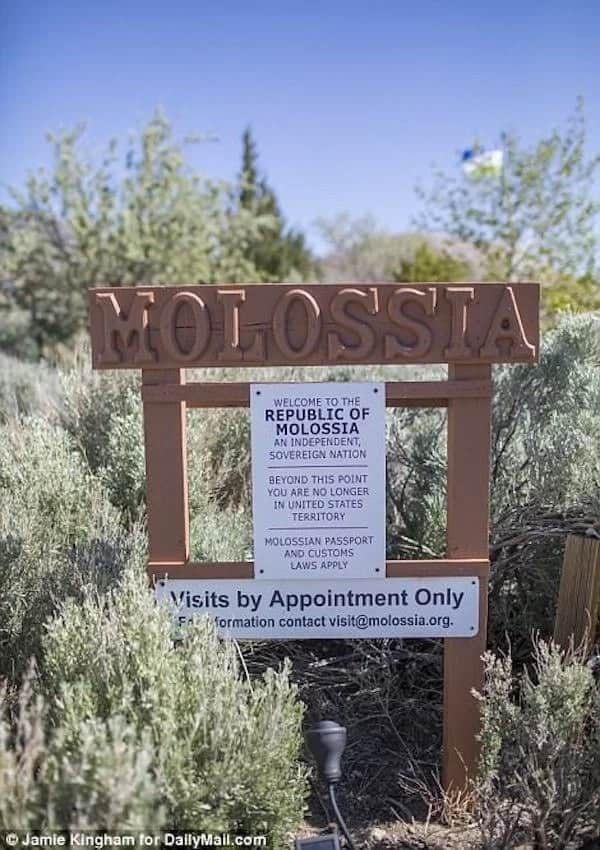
(351, 102)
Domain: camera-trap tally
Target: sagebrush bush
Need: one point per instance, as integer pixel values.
(132, 732)
(47, 488)
(219, 535)
(28, 389)
(539, 777)
(16, 338)
(102, 412)
(545, 476)
(416, 484)
(547, 420)
(59, 532)
(225, 748)
(104, 783)
(220, 459)
(103, 415)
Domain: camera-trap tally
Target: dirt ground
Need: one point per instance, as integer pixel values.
(410, 824)
(404, 836)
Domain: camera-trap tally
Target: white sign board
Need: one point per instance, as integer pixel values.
(399, 607)
(318, 480)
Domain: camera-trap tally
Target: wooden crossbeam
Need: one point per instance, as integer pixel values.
(394, 569)
(237, 394)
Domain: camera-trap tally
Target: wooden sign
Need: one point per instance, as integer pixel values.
(276, 325)
(163, 330)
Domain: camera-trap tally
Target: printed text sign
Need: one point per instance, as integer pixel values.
(318, 480)
(409, 607)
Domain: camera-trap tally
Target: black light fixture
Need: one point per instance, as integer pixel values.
(326, 741)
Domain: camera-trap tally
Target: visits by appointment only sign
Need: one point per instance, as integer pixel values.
(318, 480)
(335, 608)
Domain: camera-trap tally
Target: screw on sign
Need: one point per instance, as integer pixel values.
(164, 330)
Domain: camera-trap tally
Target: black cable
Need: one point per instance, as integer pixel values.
(339, 818)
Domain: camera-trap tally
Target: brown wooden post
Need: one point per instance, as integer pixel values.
(166, 472)
(467, 536)
(578, 608)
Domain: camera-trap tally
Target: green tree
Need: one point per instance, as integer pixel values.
(277, 252)
(535, 220)
(428, 264)
(140, 216)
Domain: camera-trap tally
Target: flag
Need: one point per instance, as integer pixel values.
(480, 163)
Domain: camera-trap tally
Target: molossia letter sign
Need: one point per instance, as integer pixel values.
(155, 327)
(318, 480)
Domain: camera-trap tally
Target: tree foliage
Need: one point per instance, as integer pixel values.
(277, 252)
(140, 216)
(427, 264)
(360, 251)
(535, 220)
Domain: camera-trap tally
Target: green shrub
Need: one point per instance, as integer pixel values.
(547, 418)
(58, 533)
(103, 415)
(220, 535)
(46, 486)
(545, 476)
(416, 484)
(539, 778)
(104, 783)
(16, 336)
(225, 748)
(222, 453)
(27, 389)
